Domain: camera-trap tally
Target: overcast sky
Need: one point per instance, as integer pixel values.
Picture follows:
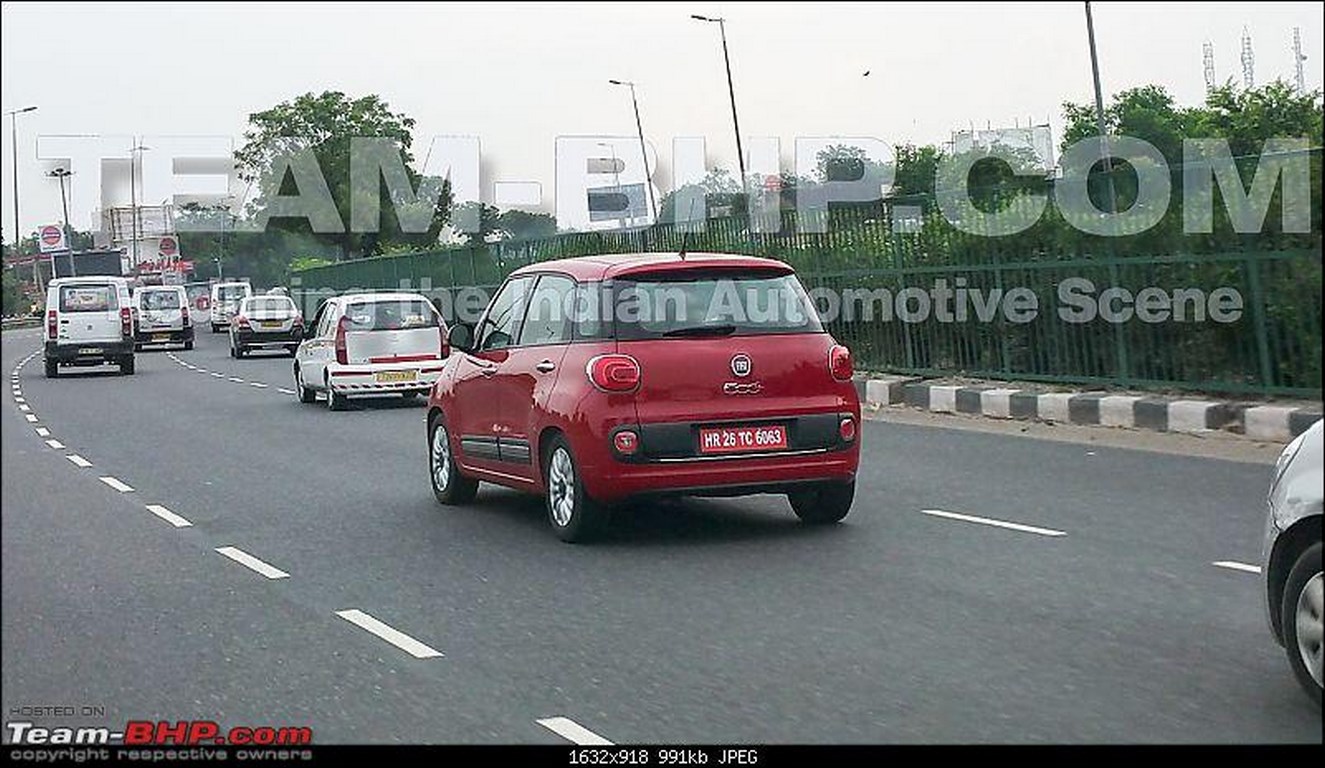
(519, 75)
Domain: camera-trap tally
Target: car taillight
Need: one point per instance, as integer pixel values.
(614, 373)
(342, 356)
(52, 324)
(839, 363)
(298, 321)
(184, 313)
(445, 349)
(126, 322)
(241, 321)
(846, 429)
(626, 442)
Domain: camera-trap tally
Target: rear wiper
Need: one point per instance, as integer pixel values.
(703, 330)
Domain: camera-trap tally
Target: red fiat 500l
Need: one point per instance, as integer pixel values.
(602, 379)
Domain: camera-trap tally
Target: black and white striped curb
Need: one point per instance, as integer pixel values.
(1277, 423)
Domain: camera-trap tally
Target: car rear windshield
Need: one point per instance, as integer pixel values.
(88, 298)
(717, 303)
(276, 305)
(160, 300)
(391, 315)
(231, 292)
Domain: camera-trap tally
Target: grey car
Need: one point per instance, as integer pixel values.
(1291, 557)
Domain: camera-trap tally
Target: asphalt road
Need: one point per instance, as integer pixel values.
(714, 621)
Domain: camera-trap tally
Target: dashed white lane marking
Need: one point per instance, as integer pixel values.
(257, 384)
(24, 407)
(116, 484)
(236, 380)
(56, 444)
(218, 375)
(79, 461)
(251, 562)
(19, 400)
(168, 516)
(573, 732)
(285, 391)
(1234, 565)
(31, 419)
(994, 523)
(397, 638)
(43, 432)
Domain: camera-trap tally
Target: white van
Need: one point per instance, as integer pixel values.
(89, 321)
(225, 302)
(162, 316)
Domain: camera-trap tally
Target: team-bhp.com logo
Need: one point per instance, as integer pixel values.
(149, 733)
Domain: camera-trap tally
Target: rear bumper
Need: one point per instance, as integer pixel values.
(174, 335)
(89, 353)
(252, 338)
(357, 379)
(771, 473)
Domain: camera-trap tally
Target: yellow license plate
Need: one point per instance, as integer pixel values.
(391, 377)
(161, 337)
(270, 323)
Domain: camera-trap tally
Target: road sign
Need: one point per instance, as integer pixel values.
(168, 247)
(52, 239)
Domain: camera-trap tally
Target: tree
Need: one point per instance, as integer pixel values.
(916, 167)
(325, 126)
(14, 302)
(523, 225)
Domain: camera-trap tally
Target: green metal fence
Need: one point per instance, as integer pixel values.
(1272, 347)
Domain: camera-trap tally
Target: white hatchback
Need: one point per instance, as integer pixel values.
(370, 344)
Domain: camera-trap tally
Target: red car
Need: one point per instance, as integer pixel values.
(603, 379)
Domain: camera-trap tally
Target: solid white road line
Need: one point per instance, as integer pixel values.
(994, 523)
(168, 516)
(397, 638)
(285, 391)
(573, 732)
(257, 384)
(56, 444)
(252, 563)
(116, 484)
(1234, 565)
(79, 461)
(43, 432)
(31, 419)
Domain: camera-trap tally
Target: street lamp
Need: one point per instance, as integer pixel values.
(18, 239)
(133, 194)
(731, 91)
(62, 174)
(1099, 113)
(644, 157)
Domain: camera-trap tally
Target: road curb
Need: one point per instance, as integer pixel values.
(1275, 423)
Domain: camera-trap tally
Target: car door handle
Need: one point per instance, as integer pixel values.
(487, 369)
(547, 366)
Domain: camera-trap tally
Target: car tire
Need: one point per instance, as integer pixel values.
(126, 365)
(1301, 610)
(824, 504)
(52, 369)
(574, 516)
(448, 485)
(306, 395)
(336, 401)
(292, 350)
(216, 328)
(240, 351)
(188, 345)
(137, 347)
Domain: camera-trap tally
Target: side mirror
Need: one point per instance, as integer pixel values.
(461, 337)
(310, 331)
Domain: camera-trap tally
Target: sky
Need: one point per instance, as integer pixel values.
(518, 75)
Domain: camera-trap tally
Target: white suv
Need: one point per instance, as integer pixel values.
(225, 301)
(89, 321)
(370, 344)
(162, 316)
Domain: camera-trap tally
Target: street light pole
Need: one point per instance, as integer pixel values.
(731, 91)
(18, 237)
(644, 157)
(133, 194)
(62, 174)
(1099, 112)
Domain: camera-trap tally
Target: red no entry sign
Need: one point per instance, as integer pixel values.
(168, 246)
(50, 235)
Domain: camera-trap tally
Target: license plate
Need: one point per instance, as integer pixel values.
(270, 323)
(89, 350)
(161, 337)
(771, 437)
(390, 377)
